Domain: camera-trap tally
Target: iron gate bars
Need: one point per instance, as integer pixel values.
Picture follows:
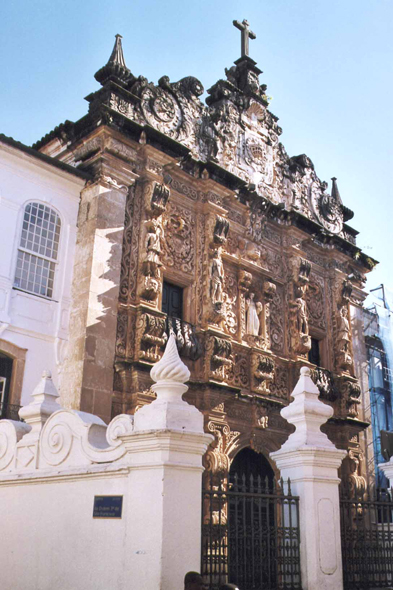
(250, 533)
(367, 539)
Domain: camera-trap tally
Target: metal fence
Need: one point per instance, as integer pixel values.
(250, 534)
(367, 539)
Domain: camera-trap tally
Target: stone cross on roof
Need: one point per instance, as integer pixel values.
(246, 34)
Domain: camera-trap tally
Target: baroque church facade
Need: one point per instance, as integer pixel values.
(196, 221)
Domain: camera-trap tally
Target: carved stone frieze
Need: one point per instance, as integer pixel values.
(130, 240)
(279, 387)
(182, 188)
(121, 149)
(238, 371)
(121, 333)
(277, 315)
(179, 243)
(316, 305)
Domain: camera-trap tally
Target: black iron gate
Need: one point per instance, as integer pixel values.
(250, 534)
(367, 539)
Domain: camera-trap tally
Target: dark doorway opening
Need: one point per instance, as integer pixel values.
(314, 355)
(252, 534)
(172, 300)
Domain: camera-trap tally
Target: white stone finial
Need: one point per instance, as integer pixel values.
(170, 367)
(307, 413)
(169, 410)
(44, 404)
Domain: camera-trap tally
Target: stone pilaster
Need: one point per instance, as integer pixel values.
(88, 370)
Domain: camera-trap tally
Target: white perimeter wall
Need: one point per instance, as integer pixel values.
(51, 541)
(28, 321)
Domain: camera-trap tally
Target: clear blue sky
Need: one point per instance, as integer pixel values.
(328, 66)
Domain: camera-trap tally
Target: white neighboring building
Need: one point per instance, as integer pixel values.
(39, 202)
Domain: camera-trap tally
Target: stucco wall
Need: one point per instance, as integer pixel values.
(31, 322)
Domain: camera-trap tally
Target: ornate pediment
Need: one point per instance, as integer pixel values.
(235, 130)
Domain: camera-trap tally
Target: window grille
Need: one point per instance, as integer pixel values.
(38, 250)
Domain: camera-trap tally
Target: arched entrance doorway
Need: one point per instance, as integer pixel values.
(252, 545)
(251, 467)
(250, 532)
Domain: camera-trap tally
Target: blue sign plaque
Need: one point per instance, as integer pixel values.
(107, 506)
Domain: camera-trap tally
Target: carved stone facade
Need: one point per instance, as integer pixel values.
(260, 253)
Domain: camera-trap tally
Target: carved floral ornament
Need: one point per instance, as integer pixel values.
(226, 442)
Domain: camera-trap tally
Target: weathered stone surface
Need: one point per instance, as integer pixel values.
(204, 197)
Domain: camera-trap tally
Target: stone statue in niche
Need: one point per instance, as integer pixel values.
(344, 356)
(343, 330)
(153, 249)
(216, 278)
(253, 311)
(299, 309)
(298, 317)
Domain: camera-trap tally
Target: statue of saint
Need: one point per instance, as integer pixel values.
(299, 308)
(253, 310)
(216, 278)
(343, 330)
(153, 249)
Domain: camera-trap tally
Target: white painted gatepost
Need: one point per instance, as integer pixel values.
(311, 461)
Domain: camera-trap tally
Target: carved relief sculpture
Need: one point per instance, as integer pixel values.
(343, 348)
(262, 371)
(156, 197)
(150, 337)
(220, 359)
(298, 314)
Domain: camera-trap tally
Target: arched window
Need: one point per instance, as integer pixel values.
(38, 250)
